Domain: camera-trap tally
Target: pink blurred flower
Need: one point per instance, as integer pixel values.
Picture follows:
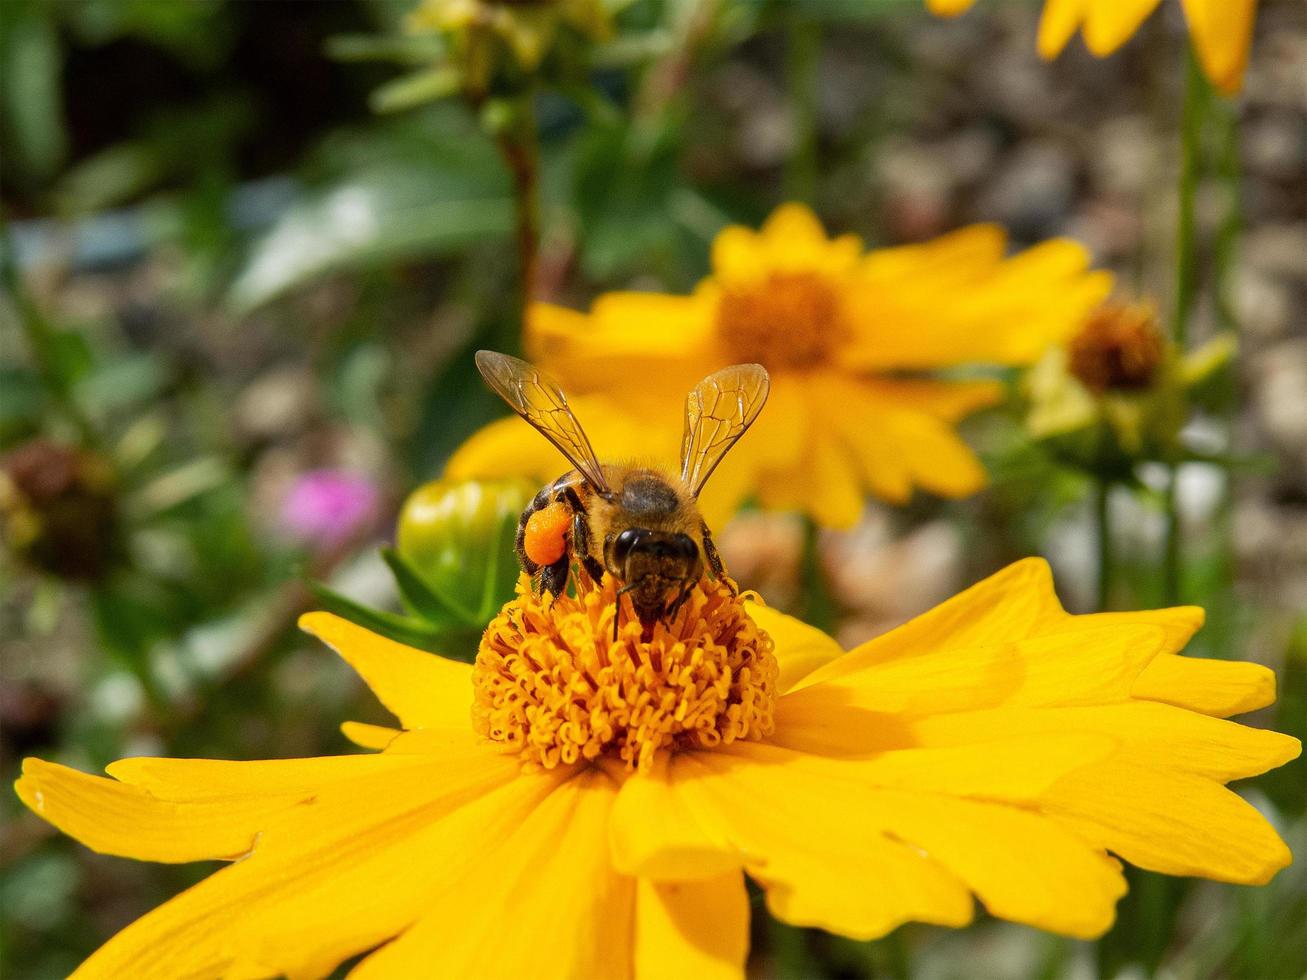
(328, 507)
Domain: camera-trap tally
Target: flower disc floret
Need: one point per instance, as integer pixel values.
(789, 320)
(1120, 348)
(553, 683)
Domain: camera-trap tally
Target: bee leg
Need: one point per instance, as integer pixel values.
(581, 546)
(553, 578)
(538, 502)
(686, 588)
(714, 558)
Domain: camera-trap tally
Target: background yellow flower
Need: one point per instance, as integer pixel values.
(854, 342)
(1221, 29)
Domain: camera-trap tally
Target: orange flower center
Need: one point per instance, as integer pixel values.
(551, 682)
(1119, 348)
(789, 320)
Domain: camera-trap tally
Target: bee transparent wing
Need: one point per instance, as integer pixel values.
(718, 411)
(538, 399)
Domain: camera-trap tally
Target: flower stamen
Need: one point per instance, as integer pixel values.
(553, 684)
(788, 320)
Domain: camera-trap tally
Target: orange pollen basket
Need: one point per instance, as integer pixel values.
(544, 539)
(788, 320)
(551, 682)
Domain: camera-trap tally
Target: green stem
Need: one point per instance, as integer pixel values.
(802, 60)
(1103, 515)
(1186, 281)
(519, 145)
(41, 339)
(819, 604)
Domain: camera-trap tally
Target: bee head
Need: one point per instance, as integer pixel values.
(653, 562)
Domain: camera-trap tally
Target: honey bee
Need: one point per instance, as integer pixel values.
(642, 526)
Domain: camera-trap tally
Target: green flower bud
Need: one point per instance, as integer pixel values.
(1118, 393)
(457, 537)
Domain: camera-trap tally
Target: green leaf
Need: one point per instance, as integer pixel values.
(30, 68)
(415, 89)
(412, 49)
(21, 401)
(431, 187)
(401, 629)
(422, 595)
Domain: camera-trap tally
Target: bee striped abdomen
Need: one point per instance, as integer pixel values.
(545, 536)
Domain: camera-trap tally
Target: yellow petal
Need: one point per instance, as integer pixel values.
(1079, 667)
(1057, 24)
(1214, 687)
(1222, 32)
(948, 401)
(112, 818)
(800, 648)
(694, 929)
(820, 861)
(819, 478)
(662, 340)
(738, 256)
(218, 780)
(1171, 822)
(1015, 603)
(825, 837)
(794, 241)
(962, 252)
(1010, 770)
(1147, 733)
(949, 8)
(419, 688)
(656, 832)
(910, 310)
(1023, 866)
(1070, 889)
(937, 459)
(571, 914)
(342, 871)
(368, 736)
(1108, 25)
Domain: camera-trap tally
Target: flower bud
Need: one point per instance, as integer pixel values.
(458, 535)
(504, 38)
(1119, 392)
(1120, 348)
(57, 509)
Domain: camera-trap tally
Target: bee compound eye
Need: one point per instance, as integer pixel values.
(686, 546)
(625, 542)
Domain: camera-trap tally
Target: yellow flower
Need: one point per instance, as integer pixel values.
(579, 805)
(847, 336)
(1221, 29)
(528, 27)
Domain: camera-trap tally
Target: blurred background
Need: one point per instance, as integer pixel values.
(249, 250)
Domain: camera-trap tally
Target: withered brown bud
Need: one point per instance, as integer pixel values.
(57, 509)
(1120, 348)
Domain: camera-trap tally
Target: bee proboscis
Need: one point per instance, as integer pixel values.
(638, 524)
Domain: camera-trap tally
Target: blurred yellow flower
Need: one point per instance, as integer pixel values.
(575, 805)
(527, 27)
(1221, 29)
(849, 337)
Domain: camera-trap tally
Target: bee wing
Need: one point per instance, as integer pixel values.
(538, 399)
(718, 411)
